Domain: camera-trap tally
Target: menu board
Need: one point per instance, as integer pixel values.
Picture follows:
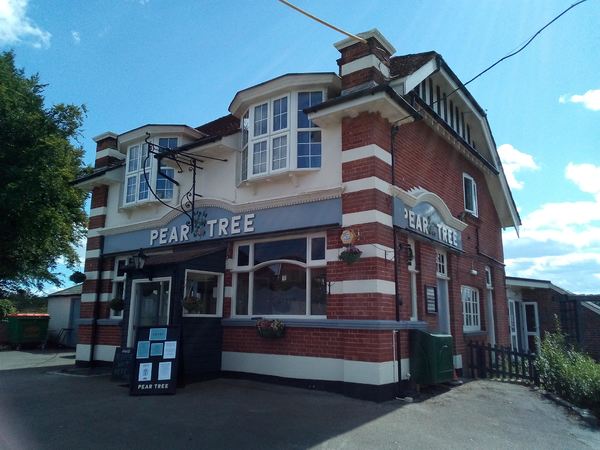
(431, 299)
(156, 353)
(121, 370)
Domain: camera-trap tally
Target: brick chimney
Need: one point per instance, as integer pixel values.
(364, 65)
(106, 150)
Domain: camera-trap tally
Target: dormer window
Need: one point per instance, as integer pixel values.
(141, 174)
(470, 194)
(278, 136)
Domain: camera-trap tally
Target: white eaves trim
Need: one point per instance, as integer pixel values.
(515, 282)
(592, 307)
(379, 102)
(284, 83)
(415, 78)
(373, 33)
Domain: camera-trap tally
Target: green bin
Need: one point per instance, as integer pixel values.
(28, 329)
(431, 360)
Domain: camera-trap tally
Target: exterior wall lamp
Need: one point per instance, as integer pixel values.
(138, 260)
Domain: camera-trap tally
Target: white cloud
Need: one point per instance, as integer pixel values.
(586, 177)
(76, 36)
(513, 161)
(560, 241)
(16, 27)
(591, 99)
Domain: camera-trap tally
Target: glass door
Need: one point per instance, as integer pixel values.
(531, 329)
(149, 306)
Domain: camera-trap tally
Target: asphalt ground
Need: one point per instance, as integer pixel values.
(41, 408)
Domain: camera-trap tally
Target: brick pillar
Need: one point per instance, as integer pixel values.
(364, 65)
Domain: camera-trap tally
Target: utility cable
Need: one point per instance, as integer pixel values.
(510, 55)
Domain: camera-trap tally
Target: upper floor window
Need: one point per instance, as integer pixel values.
(141, 175)
(441, 264)
(277, 136)
(470, 191)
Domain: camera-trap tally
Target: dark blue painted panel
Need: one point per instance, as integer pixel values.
(219, 223)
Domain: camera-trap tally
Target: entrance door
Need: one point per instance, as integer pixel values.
(149, 305)
(531, 328)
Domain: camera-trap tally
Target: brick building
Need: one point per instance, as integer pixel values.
(535, 306)
(390, 156)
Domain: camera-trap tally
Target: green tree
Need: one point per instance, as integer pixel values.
(42, 216)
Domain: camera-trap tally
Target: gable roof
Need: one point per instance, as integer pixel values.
(404, 65)
(223, 126)
(68, 292)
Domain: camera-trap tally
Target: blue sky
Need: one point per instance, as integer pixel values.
(149, 61)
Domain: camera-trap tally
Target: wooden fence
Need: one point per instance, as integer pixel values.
(502, 362)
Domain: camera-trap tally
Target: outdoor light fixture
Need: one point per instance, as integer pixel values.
(138, 260)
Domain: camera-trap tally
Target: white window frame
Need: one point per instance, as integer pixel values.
(251, 268)
(220, 289)
(290, 132)
(412, 270)
(471, 309)
(474, 211)
(134, 300)
(489, 283)
(116, 279)
(151, 172)
(441, 262)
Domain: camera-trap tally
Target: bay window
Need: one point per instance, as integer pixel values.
(141, 173)
(285, 277)
(278, 136)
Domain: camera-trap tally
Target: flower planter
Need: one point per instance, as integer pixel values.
(350, 255)
(270, 329)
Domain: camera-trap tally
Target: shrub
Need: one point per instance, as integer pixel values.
(6, 308)
(572, 375)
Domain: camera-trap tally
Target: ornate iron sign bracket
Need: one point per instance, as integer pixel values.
(181, 159)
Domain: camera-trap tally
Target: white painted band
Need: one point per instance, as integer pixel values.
(92, 254)
(91, 297)
(364, 63)
(368, 251)
(367, 183)
(101, 352)
(367, 151)
(110, 152)
(369, 216)
(102, 210)
(363, 287)
(311, 368)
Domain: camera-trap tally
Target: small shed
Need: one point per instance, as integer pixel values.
(63, 308)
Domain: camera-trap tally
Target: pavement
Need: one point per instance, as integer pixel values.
(42, 408)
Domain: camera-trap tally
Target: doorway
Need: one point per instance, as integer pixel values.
(524, 325)
(150, 302)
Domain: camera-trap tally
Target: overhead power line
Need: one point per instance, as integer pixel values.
(321, 21)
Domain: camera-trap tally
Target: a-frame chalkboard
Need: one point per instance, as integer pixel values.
(156, 355)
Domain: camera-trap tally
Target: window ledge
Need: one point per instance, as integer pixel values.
(323, 322)
(288, 173)
(475, 333)
(145, 204)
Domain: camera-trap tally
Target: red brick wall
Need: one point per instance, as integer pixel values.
(357, 345)
(105, 334)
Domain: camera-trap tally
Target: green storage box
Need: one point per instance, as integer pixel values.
(431, 359)
(28, 329)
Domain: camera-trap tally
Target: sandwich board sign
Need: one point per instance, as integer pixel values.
(156, 357)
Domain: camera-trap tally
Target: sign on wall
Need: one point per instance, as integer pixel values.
(426, 220)
(156, 360)
(219, 223)
(431, 303)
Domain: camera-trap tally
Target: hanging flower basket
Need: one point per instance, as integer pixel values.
(270, 329)
(117, 304)
(192, 304)
(350, 255)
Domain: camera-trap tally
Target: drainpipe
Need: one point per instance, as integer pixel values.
(96, 309)
(398, 299)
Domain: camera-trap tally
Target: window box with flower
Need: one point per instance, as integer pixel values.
(270, 329)
(350, 254)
